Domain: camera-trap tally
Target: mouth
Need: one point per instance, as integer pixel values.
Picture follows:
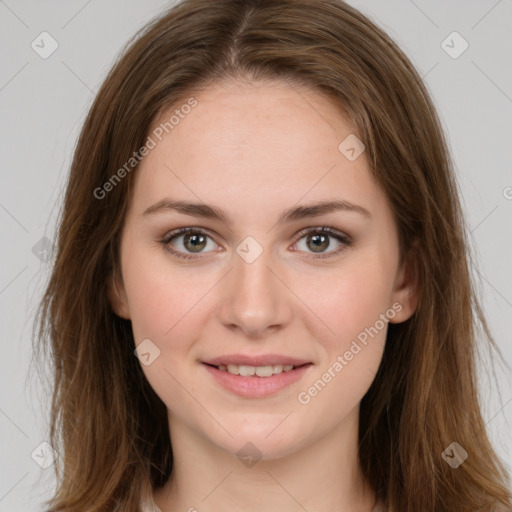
(256, 376)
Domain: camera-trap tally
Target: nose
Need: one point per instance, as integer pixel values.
(254, 298)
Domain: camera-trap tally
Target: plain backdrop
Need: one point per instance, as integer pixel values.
(43, 101)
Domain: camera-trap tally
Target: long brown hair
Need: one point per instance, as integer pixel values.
(107, 424)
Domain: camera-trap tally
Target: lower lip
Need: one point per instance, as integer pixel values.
(256, 387)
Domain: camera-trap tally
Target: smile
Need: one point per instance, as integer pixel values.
(260, 371)
(256, 381)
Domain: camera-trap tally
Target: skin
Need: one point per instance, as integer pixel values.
(254, 150)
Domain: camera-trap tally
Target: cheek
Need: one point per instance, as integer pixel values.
(348, 299)
(155, 295)
(151, 305)
(162, 310)
(166, 304)
(351, 307)
(350, 303)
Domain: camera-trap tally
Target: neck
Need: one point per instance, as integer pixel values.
(322, 476)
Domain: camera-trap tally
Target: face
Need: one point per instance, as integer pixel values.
(263, 280)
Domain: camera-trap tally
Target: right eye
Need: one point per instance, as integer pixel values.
(185, 242)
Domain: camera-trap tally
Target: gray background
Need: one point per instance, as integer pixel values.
(43, 103)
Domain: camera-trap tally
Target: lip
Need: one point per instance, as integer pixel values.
(255, 360)
(254, 386)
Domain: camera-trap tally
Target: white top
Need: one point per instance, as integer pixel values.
(150, 506)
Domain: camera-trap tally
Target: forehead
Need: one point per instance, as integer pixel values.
(269, 143)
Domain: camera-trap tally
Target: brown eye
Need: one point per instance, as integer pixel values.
(194, 242)
(318, 240)
(188, 243)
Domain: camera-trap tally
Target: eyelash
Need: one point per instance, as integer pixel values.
(343, 239)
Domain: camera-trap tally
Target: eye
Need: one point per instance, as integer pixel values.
(318, 240)
(184, 242)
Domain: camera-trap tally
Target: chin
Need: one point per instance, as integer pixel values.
(264, 439)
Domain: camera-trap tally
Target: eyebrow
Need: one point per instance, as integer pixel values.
(293, 214)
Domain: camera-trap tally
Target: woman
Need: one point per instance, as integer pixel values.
(261, 298)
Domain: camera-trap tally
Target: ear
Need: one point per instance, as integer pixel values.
(406, 288)
(117, 296)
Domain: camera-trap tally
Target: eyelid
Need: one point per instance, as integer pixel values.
(323, 229)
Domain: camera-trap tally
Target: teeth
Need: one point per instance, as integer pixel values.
(265, 371)
(260, 371)
(245, 371)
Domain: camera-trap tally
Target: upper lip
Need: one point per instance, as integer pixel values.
(255, 360)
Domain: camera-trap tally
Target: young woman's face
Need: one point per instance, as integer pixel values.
(263, 279)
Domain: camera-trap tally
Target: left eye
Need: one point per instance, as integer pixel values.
(317, 240)
(188, 243)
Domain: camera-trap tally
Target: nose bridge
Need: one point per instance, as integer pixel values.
(253, 298)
